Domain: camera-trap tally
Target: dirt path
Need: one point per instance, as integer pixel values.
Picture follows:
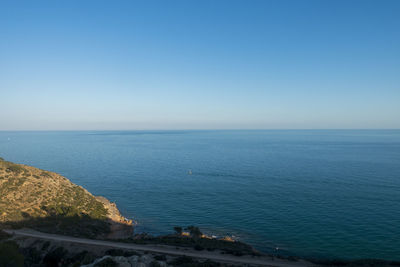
(263, 261)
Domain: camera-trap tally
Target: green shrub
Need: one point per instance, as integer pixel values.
(108, 262)
(178, 229)
(194, 231)
(160, 257)
(15, 168)
(54, 257)
(155, 264)
(181, 261)
(120, 252)
(198, 247)
(45, 174)
(32, 256)
(10, 255)
(4, 235)
(209, 263)
(45, 245)
(83, 257)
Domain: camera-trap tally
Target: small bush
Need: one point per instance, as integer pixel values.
(45, 174)
(32, 256)
(236, 253)
(15, 168)
(181, 260)
(209, 263)
(160, 257)
(4, 235)
(120, 252)
(198, 247)
(45, 245)
(10, 256)
(115, 252)
(83, 257)
(108, 262)
(178, 230)
(194, 231)
(155, 264)
(54, 257)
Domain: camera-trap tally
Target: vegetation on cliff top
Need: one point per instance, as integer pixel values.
(46, 201)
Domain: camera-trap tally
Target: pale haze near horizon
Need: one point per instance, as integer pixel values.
(124, 65)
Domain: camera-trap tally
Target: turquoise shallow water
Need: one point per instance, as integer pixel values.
(328, 193)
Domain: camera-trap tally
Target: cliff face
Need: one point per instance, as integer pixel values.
(120, 227)
(47, 201)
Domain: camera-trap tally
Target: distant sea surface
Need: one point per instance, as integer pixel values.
(312, 193)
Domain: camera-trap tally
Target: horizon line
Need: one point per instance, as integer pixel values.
(188, 129)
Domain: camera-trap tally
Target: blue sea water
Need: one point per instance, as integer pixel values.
(319, 193)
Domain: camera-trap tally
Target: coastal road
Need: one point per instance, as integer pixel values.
(161, 249)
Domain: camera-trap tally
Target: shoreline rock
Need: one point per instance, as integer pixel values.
(121, 227)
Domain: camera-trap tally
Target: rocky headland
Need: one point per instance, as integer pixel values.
(49, 202)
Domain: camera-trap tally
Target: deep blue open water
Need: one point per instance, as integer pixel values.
(325, 193)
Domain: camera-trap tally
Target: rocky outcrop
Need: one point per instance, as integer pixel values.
(121, 227)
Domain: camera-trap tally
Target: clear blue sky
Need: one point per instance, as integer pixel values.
(199, 64)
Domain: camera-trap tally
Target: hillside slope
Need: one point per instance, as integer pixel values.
(47, 201)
